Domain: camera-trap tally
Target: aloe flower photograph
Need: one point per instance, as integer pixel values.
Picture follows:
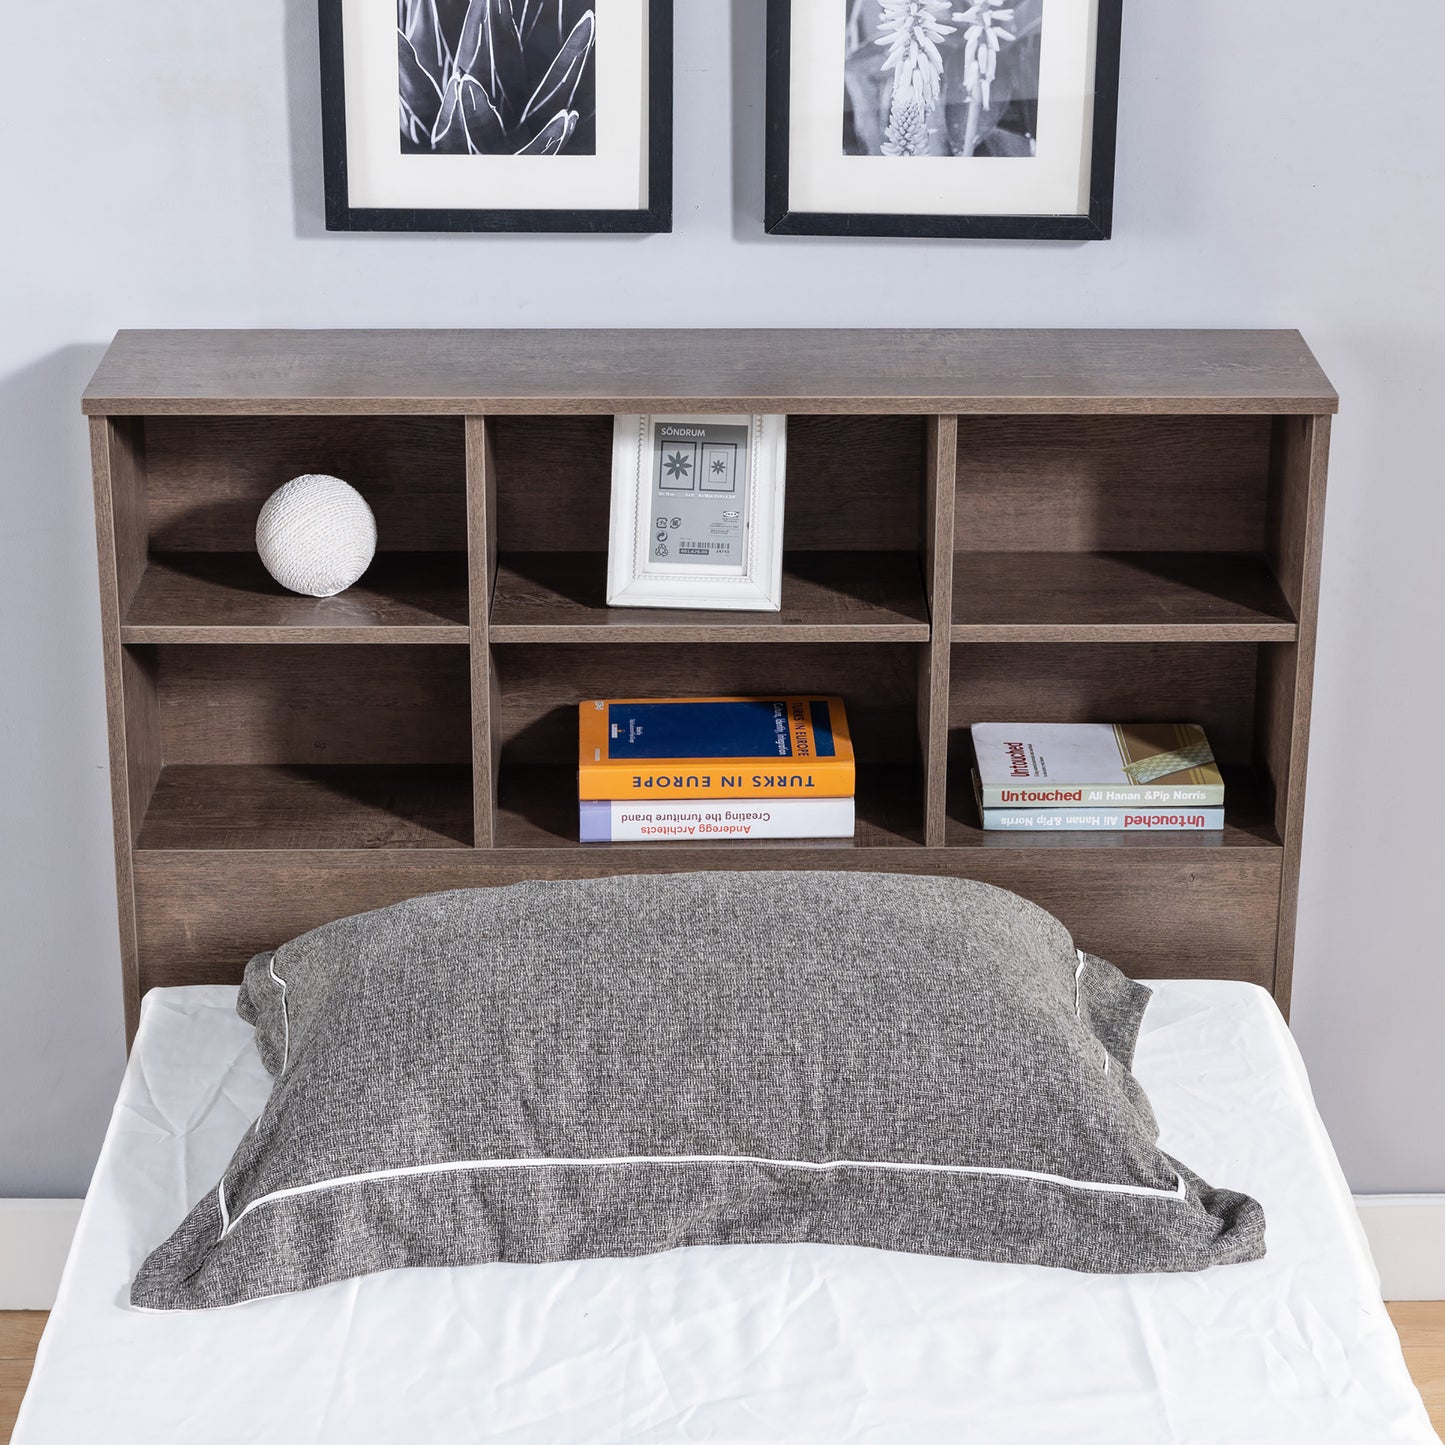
(941, 78)
(496, 77)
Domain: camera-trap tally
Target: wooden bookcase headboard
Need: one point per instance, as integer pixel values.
(1052, 526)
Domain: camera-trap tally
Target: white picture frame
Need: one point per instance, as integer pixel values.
(660, 526)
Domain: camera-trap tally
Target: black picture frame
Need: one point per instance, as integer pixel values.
(1096, 225)
(655, 217)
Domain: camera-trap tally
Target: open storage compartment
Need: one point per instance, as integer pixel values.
(1213, 684)
(539, 688)
(197, 483)
(854, 525)
(302, 747)
(1117, 527)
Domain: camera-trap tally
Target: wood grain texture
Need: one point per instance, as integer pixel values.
(541, 686)
(1112, 484)
(130, 504)
(1286, 680)
(1057, 526)
(827, 597)
(1208, 683)
(553, 479)
(933, 674)
(1421, 1327)
(140, 714)
(207, 476)
(202, 915)
(857, 483)
(198, 806)
(1427, 1370)
(482, 573)
(600, 371)
(20, 1332)
(1118, 597)
(109, 450)
(314, 705)
(1419, 1323)
(854, 483)
(228, 597)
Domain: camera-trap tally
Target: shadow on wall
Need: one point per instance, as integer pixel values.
(749, 95)
(302, 44)
(61, 1036)
(48, 535)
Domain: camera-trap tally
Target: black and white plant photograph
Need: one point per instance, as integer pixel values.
(941, 77)
(497, 77)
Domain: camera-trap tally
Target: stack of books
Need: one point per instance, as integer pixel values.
(1096, 777)
(713, 768)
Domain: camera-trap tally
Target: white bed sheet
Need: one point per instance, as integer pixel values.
(803, 1344)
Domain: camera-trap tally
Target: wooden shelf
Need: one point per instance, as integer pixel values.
(1118, 597)
(272, 806)
(537, 808)
(1175, 481)
(887, 369)
(228, 597)
(1247, 824)
(827, 597)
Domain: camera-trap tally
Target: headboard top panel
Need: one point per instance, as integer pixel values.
(381, 372)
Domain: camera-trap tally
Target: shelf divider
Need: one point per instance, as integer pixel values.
(1299, 463)
(122, 531)
(482, 571)
(933, 681)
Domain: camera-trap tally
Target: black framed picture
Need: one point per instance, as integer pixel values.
(497, 115)
(969, 118)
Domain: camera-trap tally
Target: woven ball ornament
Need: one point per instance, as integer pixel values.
(316, 535)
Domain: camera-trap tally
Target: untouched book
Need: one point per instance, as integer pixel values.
(614, 822)
(713, 747)
(1096, 765)
(1152, 819)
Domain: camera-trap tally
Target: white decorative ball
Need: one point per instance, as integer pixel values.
(316, 535)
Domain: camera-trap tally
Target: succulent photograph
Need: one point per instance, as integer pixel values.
(497, 77)
(941, 77)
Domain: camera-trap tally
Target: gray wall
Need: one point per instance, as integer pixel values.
(1280, 165)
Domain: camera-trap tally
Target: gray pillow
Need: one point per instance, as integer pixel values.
(616, 1066)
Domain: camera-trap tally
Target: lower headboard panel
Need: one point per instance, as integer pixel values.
(200, 916)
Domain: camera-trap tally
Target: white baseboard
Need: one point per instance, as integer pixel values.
(1406, 1234)
(1407, 1238)
(35, 1237)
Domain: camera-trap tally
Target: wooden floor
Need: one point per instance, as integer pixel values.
(1421, 1326)
(19, 1335)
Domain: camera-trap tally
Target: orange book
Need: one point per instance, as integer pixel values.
(714, 747)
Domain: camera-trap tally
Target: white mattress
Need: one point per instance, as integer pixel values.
(803, 1344)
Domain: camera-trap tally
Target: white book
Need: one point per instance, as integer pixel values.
(1097, 820)
(1096, 765)
(1102, 820)
(710, 821)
